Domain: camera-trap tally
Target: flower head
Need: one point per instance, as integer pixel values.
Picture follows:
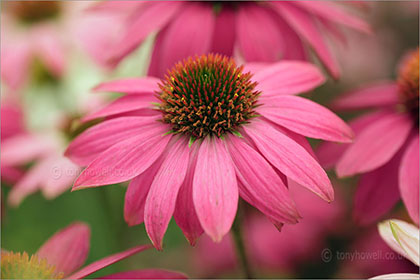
(209, 132)
(265, 31)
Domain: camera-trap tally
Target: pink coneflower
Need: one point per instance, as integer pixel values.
(255, 31)
(386, 148)
(205, 134)
(64, 253)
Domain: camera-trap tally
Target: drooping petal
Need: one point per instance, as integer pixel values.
(224, 32)
(135, 197)
(152, 17)
(68, 249)
(377, 192)
(161, 200)
(375, 145)
(183, 38)
(88, 145)
(306, 27)
(288, 77)
(258, 36)
(184, 214)
(215, 189)
(122, 105)
(379, 94)
(95, 266)
(409, 179)
(130, 86)
(306, 118)
(146, 274)
(123, 161)
(290, 158)
(260, 183)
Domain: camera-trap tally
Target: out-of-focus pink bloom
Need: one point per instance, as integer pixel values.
(63, 255)
(273, 250)
(262, 31)
(370, 256)
(207, 137)
(386, 148)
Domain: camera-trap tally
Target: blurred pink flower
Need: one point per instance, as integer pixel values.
(272, 250)
(257, 31)
(190, 147)
(386, 148)
(64, 253)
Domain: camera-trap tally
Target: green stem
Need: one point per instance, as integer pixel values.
(238, 237)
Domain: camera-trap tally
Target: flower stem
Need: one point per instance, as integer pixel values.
(237, 230)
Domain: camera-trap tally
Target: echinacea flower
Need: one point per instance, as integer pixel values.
(403, 238)
(207, 133)
(64, 253)
(264, 31)
(386, 147)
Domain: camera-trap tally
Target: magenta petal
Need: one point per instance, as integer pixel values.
(146, 274)
(95, 266)
(130, 86)
(377, 193)
(306, 27)
(122, 105)
(224, 32)
(263, 188)
(183, 38)
(135, 197)
(258, 36)
(123, 161)
(306, 118)
(152, 17)
(290, 158)
(409, 179)
(50, 49)
(288, 77)
(375, 145)
(161, 200)
(184, 214)
(376, 95)
(215, 189)
(95, 140)
(68, 249)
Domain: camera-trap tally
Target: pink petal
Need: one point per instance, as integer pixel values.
(146, 274)
(290, 158)
(375, 145)
(306, 27)
(258, 36)
(152, 17)
(223, 39)
(375, 95)
(123, 161)
(95, 140)
(68, 249)
(288, 77)
(130, 86)
(160, 202)
(184, 214)
(409, 179)
(333, 12)
(377, 193)
(263, 187)
(135, 197)
(183, 38)
(95, 266)
(122, 105)
(215, 189)
(305, 117)
(15, 62)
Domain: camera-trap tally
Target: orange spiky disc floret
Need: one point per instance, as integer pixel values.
(21, 266)
(207, 96)
(408, 81)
